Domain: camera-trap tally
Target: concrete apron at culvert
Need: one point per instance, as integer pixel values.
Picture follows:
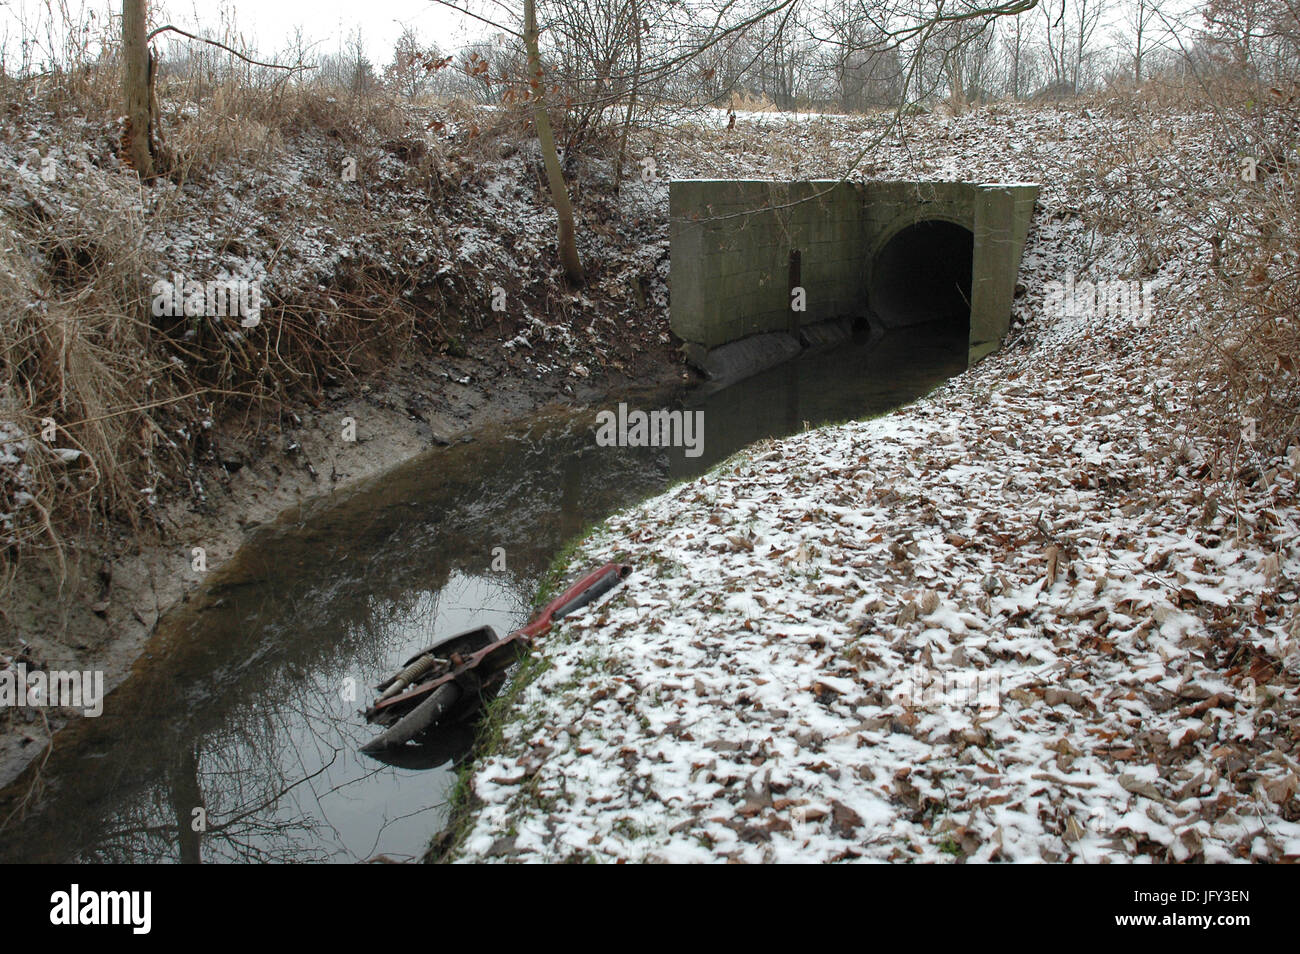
(764, 270)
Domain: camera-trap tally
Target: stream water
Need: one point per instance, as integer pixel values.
(235, 737)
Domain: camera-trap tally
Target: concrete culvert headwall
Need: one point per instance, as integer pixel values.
(923, 276)
(762, 269)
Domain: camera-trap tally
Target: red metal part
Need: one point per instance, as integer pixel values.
(539, 626)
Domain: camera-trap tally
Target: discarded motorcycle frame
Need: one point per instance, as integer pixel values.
(445, 682)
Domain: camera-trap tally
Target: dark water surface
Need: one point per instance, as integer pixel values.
(241, 707)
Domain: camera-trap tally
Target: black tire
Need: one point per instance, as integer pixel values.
(422, 717)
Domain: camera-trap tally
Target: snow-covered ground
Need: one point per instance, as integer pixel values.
(1011, 621)
(1029, 528)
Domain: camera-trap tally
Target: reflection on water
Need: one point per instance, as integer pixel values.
(236, 738)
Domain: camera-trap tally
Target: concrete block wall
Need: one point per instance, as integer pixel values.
(731, 245)
(1001, 224)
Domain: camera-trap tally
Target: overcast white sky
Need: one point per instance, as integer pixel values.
(265, 24)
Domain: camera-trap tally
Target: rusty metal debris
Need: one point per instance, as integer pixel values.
(445, 682)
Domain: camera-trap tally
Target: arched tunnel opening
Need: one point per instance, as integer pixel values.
(923, 276)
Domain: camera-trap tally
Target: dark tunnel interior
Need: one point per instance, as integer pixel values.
(923, 275)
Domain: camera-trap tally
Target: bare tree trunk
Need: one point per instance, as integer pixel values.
(1140, 18)
(1078, 51)
(1015, 62)
(187, 795)
(568, 247)
(956, 82)
(135, 87)
(631, 99)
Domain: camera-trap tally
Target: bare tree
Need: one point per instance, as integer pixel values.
(1018, 50)
(413, 65)
(864, 65)
(361, 77)
(1088, 16)
(1261, 36)
(1139, 18)
(1057, 42)
(567, 240)
(956, 56)
(137, 75)
(639, 25)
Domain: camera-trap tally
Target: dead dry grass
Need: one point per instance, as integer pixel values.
(104, 408)
(80, 383)
(1240, 217)
(1249, 347)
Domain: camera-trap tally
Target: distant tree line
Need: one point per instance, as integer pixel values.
(831, 55)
